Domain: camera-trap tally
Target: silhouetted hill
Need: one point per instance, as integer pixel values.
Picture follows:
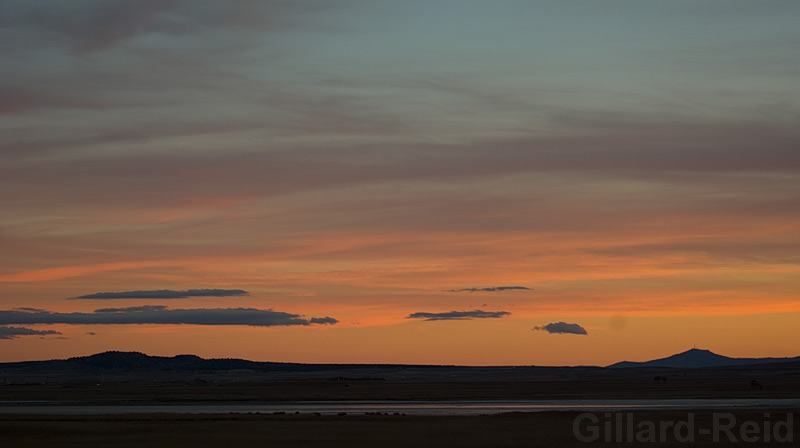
(697, 358)
(119, 367)
(125, 366)
(136, 378)
(135, 361)
(115, 361)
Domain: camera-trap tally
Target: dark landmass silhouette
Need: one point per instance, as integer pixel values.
(136, 366)
(116, 366)
(136, 378)
(137, 361)
(697, 358)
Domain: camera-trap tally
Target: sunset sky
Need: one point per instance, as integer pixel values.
(557, 182)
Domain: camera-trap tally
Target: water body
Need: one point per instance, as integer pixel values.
(403, 407)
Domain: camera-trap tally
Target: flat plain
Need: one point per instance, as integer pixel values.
(537, 429)
(516, 429)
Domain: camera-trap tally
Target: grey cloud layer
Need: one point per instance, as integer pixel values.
(14, 332)
(93, 26)
(160, 49)
(158, 314)
(459, 315)
(562, 328)
(165, 294)
(248, 174)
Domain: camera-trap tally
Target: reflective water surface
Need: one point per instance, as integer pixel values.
(403, 407)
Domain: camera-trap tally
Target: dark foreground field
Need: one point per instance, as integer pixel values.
(599, 384)
(114, 384)
(543, 429)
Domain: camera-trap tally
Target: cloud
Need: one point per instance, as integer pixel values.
(90, 26)
(323, 320)
(459, 315)
(14, 332)
(15, 99)
(490, 289)
(135, 178)
(165, 294)
(93, 26)
(562, 328)
(132, 309)
(157, 314)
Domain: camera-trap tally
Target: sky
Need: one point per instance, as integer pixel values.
(539, 182)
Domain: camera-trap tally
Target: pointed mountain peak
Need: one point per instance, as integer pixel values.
(698, 358)
(698, 352)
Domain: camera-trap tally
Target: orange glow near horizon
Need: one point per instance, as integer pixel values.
(414, 342)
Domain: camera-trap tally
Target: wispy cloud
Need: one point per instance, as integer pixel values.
(459, 315)
(491, 289)
(562, 328)
(14, 332)
(165, 294)
(159, 314)
(98, 26)
(132, 309)
(90, 26)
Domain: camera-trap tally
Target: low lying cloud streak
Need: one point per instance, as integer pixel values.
(165, 294)
(459, 315)
(159, 314)
(15, 332)
(491, 289)
(562, 328)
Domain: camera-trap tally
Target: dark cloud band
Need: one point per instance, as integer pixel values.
(165, 294)
(158, 314)
(492, 289)
(459, 315)
(14, 332)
